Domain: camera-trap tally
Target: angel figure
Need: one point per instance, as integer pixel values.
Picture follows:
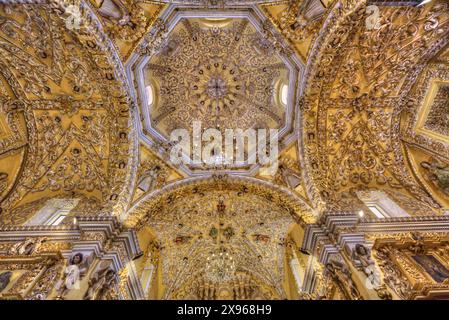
(362, 254)
(437, 173)
(72, 274)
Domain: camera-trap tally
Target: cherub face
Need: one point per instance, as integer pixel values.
(77, 258)
(361, 250)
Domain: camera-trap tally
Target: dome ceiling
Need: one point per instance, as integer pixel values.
(226, 70)
(219, 72)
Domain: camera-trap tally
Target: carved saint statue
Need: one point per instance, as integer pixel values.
(301, 15)
(363, 255)
(289, 172)
(290, 177)
(149, 181)
(438, 173)
(72, 274)
(27, 247)
(100, 284)
(116, 11)
(341, 276)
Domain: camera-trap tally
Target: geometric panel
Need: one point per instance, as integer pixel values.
(438, 117)
(433, 116)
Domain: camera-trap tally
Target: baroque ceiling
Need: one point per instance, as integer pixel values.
(65, 114)
(89, 99)
(357, 88)
(221, 222)
(214, 70)
(213, 74)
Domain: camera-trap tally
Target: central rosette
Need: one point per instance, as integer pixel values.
(217, 88)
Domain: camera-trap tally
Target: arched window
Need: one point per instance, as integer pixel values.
(150, 95)
(53, 212)
(147, 275)
(284, 94)
(381, 205)
(295, 267)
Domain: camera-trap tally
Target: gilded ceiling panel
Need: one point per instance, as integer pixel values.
(244, 287)
(355, 82)
(432, 171)
(213, 222)
(152, 173)
(223, 74)
(424, 128)
(69, 91)
(126, 21)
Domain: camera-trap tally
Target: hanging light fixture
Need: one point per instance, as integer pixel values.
(220, 266)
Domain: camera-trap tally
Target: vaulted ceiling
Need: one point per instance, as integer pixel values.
(66, 113)
(88, 101)
(357, 88)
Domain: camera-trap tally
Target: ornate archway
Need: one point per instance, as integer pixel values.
(219, 236)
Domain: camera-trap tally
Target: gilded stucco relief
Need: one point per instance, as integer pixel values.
(209, 223)
(352, 98)
(423, 128)
(88, 102)
(73, 106)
